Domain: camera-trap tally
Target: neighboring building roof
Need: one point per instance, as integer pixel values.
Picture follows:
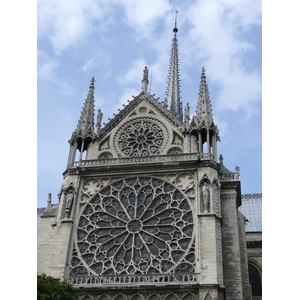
(40, 211)
(49, 211)
(252, 210)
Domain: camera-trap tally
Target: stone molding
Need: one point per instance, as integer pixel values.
(254, 253)
(132, 105)
(230, 195)
(252, 196)
(138, 164)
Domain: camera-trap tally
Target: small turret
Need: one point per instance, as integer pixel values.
(204, 111)
(208, 131)
(84, 133)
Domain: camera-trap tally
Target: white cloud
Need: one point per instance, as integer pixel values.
(142, 16)
(216, 39)
(88, 65)
(135, 73)
(127, 95)
(45, 66)
(69, 22)
(46, 70)
(65, 88)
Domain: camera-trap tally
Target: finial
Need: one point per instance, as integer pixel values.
(175, 29)
(92, 82)
(221, 159)
(145, 80)
(99, 119)
(49, 200)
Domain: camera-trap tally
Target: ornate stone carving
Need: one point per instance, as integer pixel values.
(105, 155)
(206, 198)
(174, 150)
(136, 225)
(141, 296)
(143, 109)
(205, 194)
(69, 203)
(141, 137)
(104, 144)
(177, 139)
(99, 119)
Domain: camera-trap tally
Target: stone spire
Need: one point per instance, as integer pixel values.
(84, 132)
(172, 101)
(204, 111)
(86, 120)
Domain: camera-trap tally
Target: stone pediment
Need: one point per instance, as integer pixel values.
(143, 128)
(130, 109)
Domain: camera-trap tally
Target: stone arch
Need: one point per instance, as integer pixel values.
(189, 296)
(137, 297)
(103, 297)
(87, 297)
(255, 277)
(171, 296)
(105, 155)
(154, 297)
(120, 297)
(174, 150)
(207, 296)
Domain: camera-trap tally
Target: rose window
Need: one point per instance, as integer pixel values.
(141, 138)
(140, 225)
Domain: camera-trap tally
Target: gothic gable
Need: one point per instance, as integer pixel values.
(143, 128)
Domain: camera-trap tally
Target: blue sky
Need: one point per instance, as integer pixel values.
(114, 40)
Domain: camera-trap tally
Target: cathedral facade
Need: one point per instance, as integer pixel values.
(147, 210)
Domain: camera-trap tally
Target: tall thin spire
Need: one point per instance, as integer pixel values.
(86, 120)
(172, 101)
(204, 111)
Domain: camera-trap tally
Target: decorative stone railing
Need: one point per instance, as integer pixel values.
(205, 156)
(228, 176)
(156, 279)
(134, 160)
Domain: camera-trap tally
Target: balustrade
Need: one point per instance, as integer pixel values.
(134, 160)
(135, 279)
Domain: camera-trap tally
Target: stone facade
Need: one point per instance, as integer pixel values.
(150, 213)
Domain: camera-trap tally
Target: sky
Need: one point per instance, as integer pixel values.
(114, 40)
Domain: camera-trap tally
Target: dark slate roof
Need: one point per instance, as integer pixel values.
(252, 210)
(40, 211)
(44, 212)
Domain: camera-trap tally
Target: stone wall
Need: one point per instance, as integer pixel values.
(52, 245)
(231, 247)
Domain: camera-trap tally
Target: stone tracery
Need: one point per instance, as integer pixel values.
(137, 225)
(142, 137)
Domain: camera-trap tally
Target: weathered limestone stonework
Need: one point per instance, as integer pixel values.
(149, 213)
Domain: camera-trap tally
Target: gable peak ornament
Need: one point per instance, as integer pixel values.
(145, 80)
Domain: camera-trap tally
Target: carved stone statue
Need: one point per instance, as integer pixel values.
(99, 119)
(69, 202)
(187, 114)
(146, 71)
(205, 190)
(49, 200)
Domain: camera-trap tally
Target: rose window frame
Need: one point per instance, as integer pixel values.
(135, 225)
(142, 136)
